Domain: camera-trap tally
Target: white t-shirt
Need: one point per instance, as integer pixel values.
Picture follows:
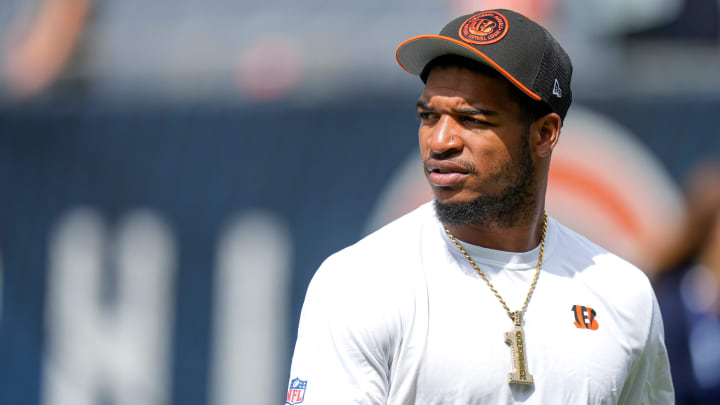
(401, 317)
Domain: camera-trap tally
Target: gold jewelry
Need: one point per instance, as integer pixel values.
(516, 337)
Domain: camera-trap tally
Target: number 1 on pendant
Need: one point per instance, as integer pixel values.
(516, 339)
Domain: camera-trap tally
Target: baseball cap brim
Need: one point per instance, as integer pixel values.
(415, 53)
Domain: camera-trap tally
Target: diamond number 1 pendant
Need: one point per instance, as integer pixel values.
(516, 339)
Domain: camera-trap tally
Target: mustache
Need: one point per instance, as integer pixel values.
(464, 164)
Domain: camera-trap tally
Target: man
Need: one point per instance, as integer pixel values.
(478, 297)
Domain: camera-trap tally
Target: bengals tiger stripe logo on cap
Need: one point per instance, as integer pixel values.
(484, 28)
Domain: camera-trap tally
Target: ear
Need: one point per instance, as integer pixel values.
(545, 132)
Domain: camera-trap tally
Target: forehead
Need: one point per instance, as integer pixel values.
(465, 86)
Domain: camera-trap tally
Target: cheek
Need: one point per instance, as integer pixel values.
(423, 134)
(489, 152)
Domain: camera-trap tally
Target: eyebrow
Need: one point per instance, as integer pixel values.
(466, 111)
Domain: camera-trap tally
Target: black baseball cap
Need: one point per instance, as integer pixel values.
(518, 48)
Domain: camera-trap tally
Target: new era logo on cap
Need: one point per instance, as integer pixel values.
(556, 89)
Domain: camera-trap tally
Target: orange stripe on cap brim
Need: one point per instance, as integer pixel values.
(487, 60)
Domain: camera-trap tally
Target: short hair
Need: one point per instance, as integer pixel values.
(530, 110)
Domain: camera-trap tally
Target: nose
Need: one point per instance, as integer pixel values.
(444, 139)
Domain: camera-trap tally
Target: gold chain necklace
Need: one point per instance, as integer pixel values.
(516, 337)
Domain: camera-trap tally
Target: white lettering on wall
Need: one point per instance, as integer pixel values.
(251, 305)
(115, 348)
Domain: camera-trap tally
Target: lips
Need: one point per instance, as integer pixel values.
(445, 174)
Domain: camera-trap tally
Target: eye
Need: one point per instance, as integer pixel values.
(425, 115)
(474, 121)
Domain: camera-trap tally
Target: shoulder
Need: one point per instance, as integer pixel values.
(380, 263)
(381, 250)
(369, 290)
(593, 260)
(619, 282)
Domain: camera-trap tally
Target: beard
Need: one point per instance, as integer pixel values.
(505, 208)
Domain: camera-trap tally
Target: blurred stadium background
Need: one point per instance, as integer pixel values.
(173, 172)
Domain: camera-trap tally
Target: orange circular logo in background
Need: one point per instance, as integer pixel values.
(484, 28)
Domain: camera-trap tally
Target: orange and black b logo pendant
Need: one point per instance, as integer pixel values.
(585, 317)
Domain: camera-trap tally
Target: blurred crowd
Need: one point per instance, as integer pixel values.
(688, 290)
(251, 51)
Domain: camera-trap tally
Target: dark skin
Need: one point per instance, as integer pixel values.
(470, 130)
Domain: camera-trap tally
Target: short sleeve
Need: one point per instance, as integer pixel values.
(650, 381)
(345, 339)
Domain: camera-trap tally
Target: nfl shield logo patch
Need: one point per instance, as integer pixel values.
(296, 391)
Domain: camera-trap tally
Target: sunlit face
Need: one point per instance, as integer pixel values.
(473, 143)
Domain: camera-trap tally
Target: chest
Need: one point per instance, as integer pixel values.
(575, 347)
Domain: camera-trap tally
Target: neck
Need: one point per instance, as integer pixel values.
(522, 236)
